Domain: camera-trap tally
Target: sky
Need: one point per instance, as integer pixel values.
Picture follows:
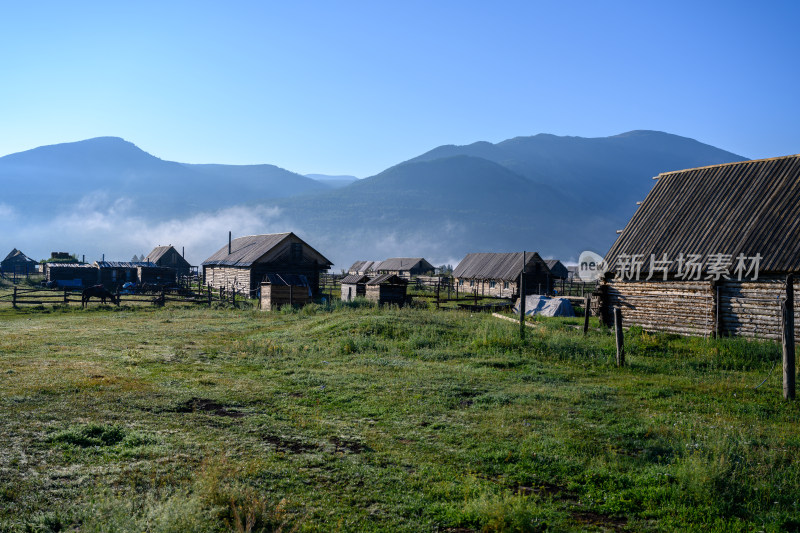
(356, 87)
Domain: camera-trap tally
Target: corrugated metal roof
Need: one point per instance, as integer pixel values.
(125, 264)
(387, 278)
(404, 263)
(69, 265)
(499, 266)
(355, 278)
(749, 207)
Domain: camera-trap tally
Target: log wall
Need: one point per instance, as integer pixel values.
(701, 308)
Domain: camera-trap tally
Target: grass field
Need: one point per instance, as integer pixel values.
(363, 419)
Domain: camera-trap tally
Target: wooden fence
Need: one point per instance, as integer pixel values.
(24, 296)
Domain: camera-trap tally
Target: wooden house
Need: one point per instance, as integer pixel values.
(708, 251)
(243, 264)
(354, 286)
(288, 289)
(18, 264)
(168, 257)
(404, 267)
(387, 289)
(498, 274)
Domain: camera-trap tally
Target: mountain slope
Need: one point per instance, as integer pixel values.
(110, 169)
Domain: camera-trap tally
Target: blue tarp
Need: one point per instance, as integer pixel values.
(545, 306)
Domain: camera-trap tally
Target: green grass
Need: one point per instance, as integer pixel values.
(356, 418)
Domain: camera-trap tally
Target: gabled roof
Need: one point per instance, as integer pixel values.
(247, 250)
(501, 266)
(749, 207)
(391, 279)
(404, 263)
(355, 278)
(363, 266)
(158, 252)
(17, 256)
(557, 268)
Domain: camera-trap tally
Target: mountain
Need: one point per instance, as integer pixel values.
(555, 195)
(110, 169)
(333, 181)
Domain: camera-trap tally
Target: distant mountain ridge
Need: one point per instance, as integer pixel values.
(556, 195)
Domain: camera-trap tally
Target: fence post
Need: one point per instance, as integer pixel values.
(14, 298)
(522, 299)
(66, 299)
(209, 296)
(787, 307)
(620, 339)
(437, 296)
(586, 313)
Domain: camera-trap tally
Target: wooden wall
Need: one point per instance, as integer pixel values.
(351, 291)
(701, 308)
(228, 278)
(274, 296)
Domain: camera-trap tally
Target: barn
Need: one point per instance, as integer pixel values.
(498, 274)
(354, 286)
(404, 267)
(168, 257)
(243, 264)
(387, 289)
(708, 251)
(18, 264)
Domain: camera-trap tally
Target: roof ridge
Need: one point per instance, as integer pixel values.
(729, 164)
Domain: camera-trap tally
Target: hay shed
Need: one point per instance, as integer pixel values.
(354, 286)
(387, 289)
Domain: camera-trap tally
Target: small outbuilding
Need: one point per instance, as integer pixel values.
(354, 286)
(708, 251)
(168, 257)
(387, 289)
(498, 274)
(244, 263)
(288, 289)
(18, 264)
(71, 275)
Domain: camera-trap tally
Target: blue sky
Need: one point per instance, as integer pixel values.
(355, 87)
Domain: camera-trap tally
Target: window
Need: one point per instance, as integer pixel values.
(505, 284)
(471, 283)
(297, 251)
(491, 284)
(461, 282)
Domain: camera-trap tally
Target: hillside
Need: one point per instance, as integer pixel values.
(110, 169)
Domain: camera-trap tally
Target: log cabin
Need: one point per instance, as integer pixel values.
(708, 251)
(243, 264)
(498, 274)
